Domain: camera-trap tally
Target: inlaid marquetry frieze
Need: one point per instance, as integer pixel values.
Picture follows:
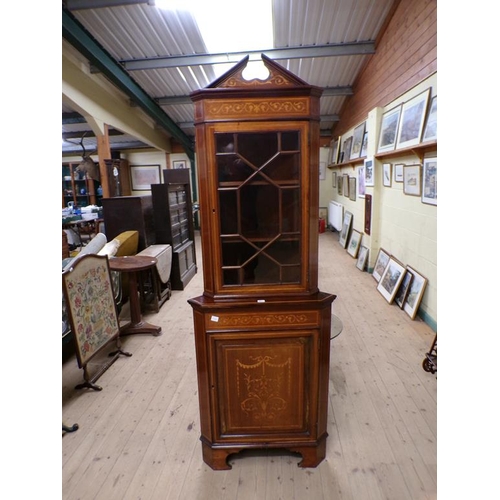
(260, 320)
(267, 107)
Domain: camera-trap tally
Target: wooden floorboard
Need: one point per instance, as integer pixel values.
(138, 438)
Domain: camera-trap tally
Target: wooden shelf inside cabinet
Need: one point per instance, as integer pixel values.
(418, 150)
(356, 161)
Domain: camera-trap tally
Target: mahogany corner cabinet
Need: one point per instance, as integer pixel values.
(262, 326)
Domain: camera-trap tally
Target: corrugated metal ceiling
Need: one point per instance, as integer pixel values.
(143, 33)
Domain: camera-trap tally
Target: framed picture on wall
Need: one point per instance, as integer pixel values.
(412, 181)
(345, 183)
(364, 146)
(340, 184)
(357, 141)
(352, 188)
(412, 120)
(369, 172)
(322, 170)
(142, 176)
(179, 164)
(334, 151)
(368, 213)
(430, 130)
(382, 261)
(387, 174)
(389, 130)
(429, 181)
(361, 181)
(334, 179)
(391, 279)
(415, 293)
(398, 172)
(347, 149)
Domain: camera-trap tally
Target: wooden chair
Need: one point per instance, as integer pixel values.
(92, 313)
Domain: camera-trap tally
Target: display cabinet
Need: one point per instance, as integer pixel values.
(173, 219)
(77, 187)
(262, 327)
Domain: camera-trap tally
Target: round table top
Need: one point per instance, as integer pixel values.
(130, 263)
(337, 327)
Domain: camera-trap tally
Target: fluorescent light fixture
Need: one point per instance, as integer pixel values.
(226, 26)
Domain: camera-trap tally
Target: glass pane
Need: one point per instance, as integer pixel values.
(259, 211)
(291, 210)
(228, 212)
(257, 148)
(285, 251)
(285, 167)
(290, 141)
(231, 168)
(224, 143)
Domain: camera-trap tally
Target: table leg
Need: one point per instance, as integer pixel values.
(137, 324)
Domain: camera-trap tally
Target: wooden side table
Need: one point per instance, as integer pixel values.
(133, 264)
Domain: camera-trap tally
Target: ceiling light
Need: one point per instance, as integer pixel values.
(224, 28)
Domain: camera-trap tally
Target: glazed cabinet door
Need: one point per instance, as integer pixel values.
(260, 222)
(265, 384)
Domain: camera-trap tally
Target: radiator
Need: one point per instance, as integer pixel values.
(335, 215)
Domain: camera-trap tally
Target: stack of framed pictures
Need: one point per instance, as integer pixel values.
(398, 283)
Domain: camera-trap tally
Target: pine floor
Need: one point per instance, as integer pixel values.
(139, 437)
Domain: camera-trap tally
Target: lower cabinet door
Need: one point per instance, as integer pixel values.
(265, 384)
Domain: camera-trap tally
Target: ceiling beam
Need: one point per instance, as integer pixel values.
(330, 50)
(77, 36)
(97, 4)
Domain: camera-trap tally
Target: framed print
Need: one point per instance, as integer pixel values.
(391, 279)
(430, 130)
(357, 141)
(380, 264)
(334, 151)
(330, 152)
(364, 146)
(398, 172)
(179, 164)
(352, 188)
(412, 182)
(354, 243)
(142, 176)
(412, 120)
(361, 181)
(369, 172)
(347, 149)
(403, 289)
(334, 179)
(389, 130)
(345, 182)
(340, 184)
(368, 213)
(362, 258)
(387, 174)
(346, 227)
(322, 170)
(429, 181)
(415, 293)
